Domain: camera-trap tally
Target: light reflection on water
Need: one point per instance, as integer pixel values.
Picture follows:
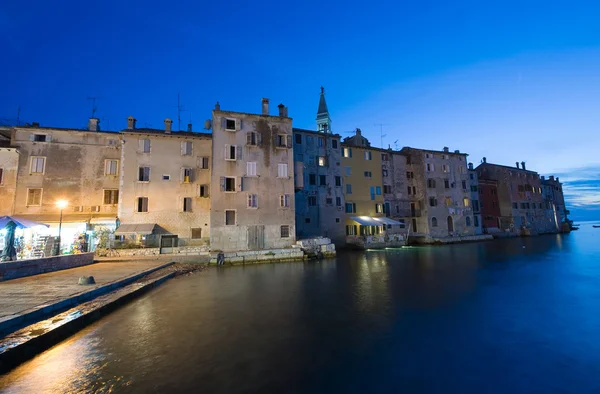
(515, 315)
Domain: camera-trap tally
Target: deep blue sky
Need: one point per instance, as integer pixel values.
(513, 81)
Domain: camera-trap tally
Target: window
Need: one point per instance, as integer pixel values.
(410, 175)
(473, 188)
(350, 207)
(322, 161)
(166, 177)
(111, 167)
(251, 168)
(398, 209)
(347, 152)
(203, 163)
(431, 183)
(466, 202)
(312, 179)
(283, 141)
(337, 220)
(252, 138)
(409, 189)
(446, 184)
(300, 157)
(299, 139)
(448, 201)
(351, 230)
(142, 204)
(334, 144)
(284, 201)
(468, 221)
(34, 197)
(378, 190)
(306, 220)
(312, 201)
(430, 167)
(144, 174)
(338, 180)
(348, 171)
(445, 168)
(433, 222)
(329, 201)
(204, 190)
(309, 140)
(475, 205)
(515, 206)
(445, 157)
(384, 157)
(384, 173)
(187, 175)
(229, 217)
(285, 231)
(282, 170)
(378, 208)
(476, 221)
(228, 183)
(433, 202)
(1, 176)
(348, 188)
(187, 204)
(252, 201)
(311, 160)
(464, 185)
(368, 155)
(232, 152)
(230, 124)
(368, 174)
(414, 190)
(196, 233)
(320, 142)
(372, 190)
(338, 201)
(38, 165)
(111, 196)
(462, 169)
(387, 189)
(471, 176)
(322, 180)
(186, 148)
(144, 145)
(39, 138)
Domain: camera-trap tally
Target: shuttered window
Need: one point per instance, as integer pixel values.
(111, 167)
(203, 163)
(34, 197)
(38, 165)
(144, 174)
(186, 148)
(142, 204)
(282, 170)
(251, 168)
(144, 145)
(111, 197)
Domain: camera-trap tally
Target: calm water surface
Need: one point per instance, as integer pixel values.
(511, 316)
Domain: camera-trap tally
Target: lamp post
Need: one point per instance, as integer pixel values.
(62, 204)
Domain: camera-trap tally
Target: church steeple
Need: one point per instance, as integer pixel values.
(323, 119)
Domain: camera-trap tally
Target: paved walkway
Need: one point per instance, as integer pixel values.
(20, 295)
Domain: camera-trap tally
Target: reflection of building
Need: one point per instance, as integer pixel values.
(440, 196)
(318, 180)
(252, 182)
(79, 166)
(475, 200)
(165, 181)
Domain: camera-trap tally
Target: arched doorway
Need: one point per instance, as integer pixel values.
(450, 224)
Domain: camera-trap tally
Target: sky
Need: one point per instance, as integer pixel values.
(511, 81)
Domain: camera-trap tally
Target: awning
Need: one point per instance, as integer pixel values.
(365, 220)
(111, 220)
(142, 228)
(20, 222)
(385, 220)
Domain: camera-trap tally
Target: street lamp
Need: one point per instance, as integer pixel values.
(62, 204)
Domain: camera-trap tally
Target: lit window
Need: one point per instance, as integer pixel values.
(322, 161)
(347, 152)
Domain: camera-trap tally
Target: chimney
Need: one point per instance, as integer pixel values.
(557, 179)
(93, 124)
(285, 112)
(457, 151)
(131, 123)
(217, 106)
(470, 166)
(543, 178)
(551, 177)
(168, 123)
(358, 132)
(517, 163)
(446, 149)
(523, 165)
(281, 110)
(484, 160)
(265, 106)
(189, 128)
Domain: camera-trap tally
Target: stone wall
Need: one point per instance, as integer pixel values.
(22, 268)
(376, 241)
(181, 250)
(317, 247)
(260, 256)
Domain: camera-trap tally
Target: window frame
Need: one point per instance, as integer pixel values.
(139, 200)
(234, 211)
(28, 203)
(36, 158)
(107, 167)
(111, 191)
(282, 233)
(138, 177)
(184, 206)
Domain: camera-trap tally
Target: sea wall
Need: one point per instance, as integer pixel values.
(22, 268)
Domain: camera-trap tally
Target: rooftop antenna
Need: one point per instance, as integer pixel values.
(381, 131)
(396, 144)
(94, 108)
(180, 109)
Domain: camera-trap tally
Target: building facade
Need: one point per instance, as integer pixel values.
(9, 164)
(252, 180)
(555, 199)
(164, 198)
(475, 199)
(490, 205)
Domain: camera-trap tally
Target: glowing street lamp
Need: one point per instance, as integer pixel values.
(62, 204)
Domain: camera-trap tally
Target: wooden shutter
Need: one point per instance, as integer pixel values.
(249, 138)
(238, 152)
(222, 180)
(227, 151)
(238, 124)
(205, 162)
(223, 123)
(258, 138)
(31, 137)
(241, 184)
(289, 141)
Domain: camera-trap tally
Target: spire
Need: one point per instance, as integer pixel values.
(323, 119)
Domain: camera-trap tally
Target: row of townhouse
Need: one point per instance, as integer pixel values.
(255, 182)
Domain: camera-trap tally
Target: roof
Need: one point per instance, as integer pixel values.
(322, 104)
(140, 228)
(249, 114)
(506, 167)
(65, 129)
(162, 132)
(295, 129)
(408, 148)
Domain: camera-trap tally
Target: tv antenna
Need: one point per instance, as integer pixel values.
(381, 131)
(94, 108)
(180, 109)
(396, 144)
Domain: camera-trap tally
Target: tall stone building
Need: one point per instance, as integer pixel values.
(9, 164)
(164, 198)
(475, 199)
(319, 196)
(252, 180)
(398, 181)
(440, 196)
(555, 199)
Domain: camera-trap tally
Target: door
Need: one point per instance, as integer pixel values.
(414, 226)
(256, 237)
(450, 224)
(167, 243)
